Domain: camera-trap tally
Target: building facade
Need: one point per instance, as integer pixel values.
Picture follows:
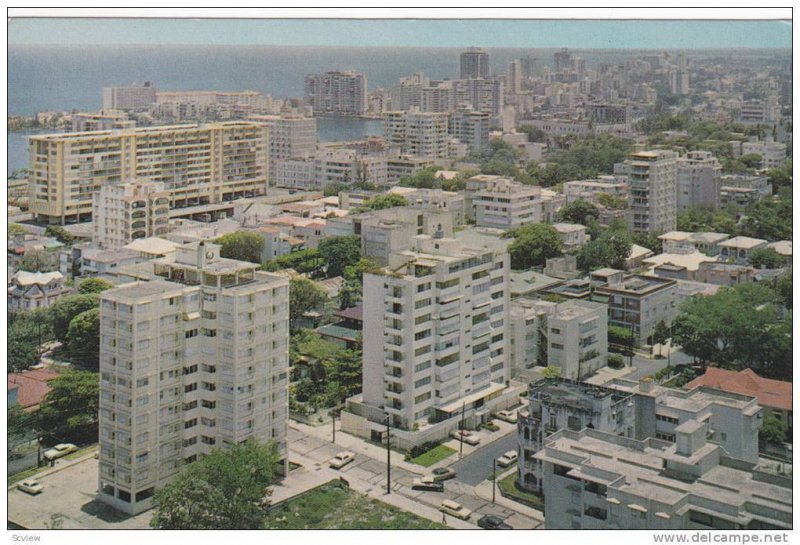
(474, 64)
(135, 98)
(337, 93)
(420, 134)
(124, 212)
(188, 365)
(699, 180)
(198, 164)
(652, 191)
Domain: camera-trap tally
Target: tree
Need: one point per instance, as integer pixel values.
(304, 296)
(15, 229)
(226, 490)
(82, 343)
(534, 134)
(381, 202)
(610, 249)
(551, 371)
(21, 426)
(94, 285)
(621, 340)
(781, 177)
(578, 211)
(770, 219)
(751, 160)
(307, 261)
(339, 253)
(424, 179)
(38, 261)
(612, 201)
(59, 233)
(649, 240)
(21, 355)
(616, 361)
(333, 189)
(241, 245)
(783, 287)
(773, 429)
(66, 308)
(69, 411)
(533, 244)
(660, 334)
(766, 258)
(352, 286)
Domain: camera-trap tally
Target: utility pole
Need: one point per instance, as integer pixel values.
(494, 478)
(461, 432)
(333, 425)
(388, 458)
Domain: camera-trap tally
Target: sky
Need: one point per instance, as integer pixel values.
(595, 34)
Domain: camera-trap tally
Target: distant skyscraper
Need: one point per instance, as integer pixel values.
(514, 77)
(562, 59)
(474, 64)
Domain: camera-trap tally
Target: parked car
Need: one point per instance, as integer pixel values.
(508, 458)
(507, 416)
(469, 437)
(443, 473)
(342, 459)
(31, 486)
(59, 450)
(427, 483)
(456, 509)
(491, 522)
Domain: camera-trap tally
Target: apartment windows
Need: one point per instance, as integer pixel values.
(189, 370)
(422, 382)
(209, 386)
(208, 422)
(190, 423)
(208, 440)
(190, 333)
(190, 387)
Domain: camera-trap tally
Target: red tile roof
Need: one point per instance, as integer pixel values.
(770, 393)
(32, 386)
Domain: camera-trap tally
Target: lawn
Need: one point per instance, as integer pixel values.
(333, 506)
(508, 486)
(436, 454)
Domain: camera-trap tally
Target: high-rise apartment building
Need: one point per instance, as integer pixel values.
(337, 93)
(471, 128)
(505, 204)
(474, 64)
(291, 136)
(483, 95)
(136, 98)
(514, 77)
(124, 212)
(193, 360)
(435, 341)
(652, 191)
(198, 164)
(421, 134)
(699, 180)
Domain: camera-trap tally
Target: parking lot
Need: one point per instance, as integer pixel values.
(68, 502)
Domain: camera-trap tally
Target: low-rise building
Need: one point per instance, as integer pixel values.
(503, 204)
(573, 235)
(737, 249)
(31, 290)
(599, 480)
(589, 190)
(125, 212)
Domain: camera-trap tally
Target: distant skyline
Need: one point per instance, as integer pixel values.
(490, 33)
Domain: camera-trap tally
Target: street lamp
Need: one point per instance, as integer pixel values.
(494, 478)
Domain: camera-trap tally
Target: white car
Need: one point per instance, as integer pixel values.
(508, 458)
(456, 509)
(469, 437)
(31, 486)
(342, 459)
(59, 450)
(507, 416)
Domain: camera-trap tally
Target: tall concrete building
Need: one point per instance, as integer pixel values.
(652, 191)
(291, 136)
(421, 134)
(514, 77)
(435, 342)
(483, 95)
(474, 64)
(135, 98)
(699, 180)
(337, 93)
(505, 204)
(471, 128)
(193, 360)
(198, 164)
(122, 213)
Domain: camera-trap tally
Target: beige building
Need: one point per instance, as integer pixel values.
(194, 359)
(652, 191)
(198, 164)
(504, 204)
(124, 212)
(699, 180)
(130, 97)
(420, 134)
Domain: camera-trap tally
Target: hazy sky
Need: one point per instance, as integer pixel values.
(601, 34)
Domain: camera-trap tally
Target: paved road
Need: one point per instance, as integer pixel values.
(477, 467)
(645, 366)
(21, 464)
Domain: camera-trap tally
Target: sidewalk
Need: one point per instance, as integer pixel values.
(60, 466)
(484, 490)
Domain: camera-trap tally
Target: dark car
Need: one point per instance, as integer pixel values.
(491, 522)
(427, 483)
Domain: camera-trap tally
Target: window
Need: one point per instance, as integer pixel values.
(191, 333)
(422, 382)
(557, 346)
(190, 423)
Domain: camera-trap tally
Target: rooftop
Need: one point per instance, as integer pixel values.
(743, 243)
(768, 392)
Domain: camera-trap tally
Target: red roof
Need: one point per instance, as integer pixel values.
(770, 393)
(31, 385)
(353, 313)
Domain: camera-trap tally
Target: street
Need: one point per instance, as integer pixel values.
(477, 467)
(646, 366)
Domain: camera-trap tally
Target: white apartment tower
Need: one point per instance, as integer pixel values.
(699, 180)
(652, 191)
(435, 338)
(421, 134)
(505, 204)
(198, 164)
(337, 93)
(195, 361)
(291, 136)
(124, 212)
(471, 128)
(131, 97)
